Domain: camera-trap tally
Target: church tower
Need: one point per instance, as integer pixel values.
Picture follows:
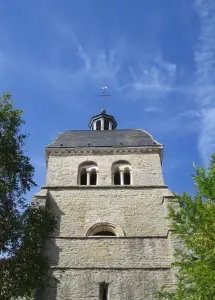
(106, 188)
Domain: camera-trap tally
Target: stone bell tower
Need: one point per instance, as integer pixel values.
(106, 188)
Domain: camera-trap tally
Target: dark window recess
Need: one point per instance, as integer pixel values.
(127, 178)
(103, 291)
(106, 125)
(98, 125)
(83, 178)
(93, 179)
(117, 178)
(105, 233)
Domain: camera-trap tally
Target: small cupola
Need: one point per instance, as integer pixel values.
(103, 121)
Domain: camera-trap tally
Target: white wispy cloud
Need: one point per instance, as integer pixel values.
(94, 71)
(189, 114)
(205, 77)
(85, 58)
(181, 123)
(154, 79)
(124, 72)
(206, 138)
(153, 109)
(130, 73)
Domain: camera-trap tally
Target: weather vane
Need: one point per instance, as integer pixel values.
(103, 95)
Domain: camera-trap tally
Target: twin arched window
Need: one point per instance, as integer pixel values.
(87, 174)
(121, 173)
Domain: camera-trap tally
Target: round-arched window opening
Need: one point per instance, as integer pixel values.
(83, 179)
(93, 177)
(116, 178)
(106, 125)
(127, 178)
(104, 233)
(104, 229)
(98, 125)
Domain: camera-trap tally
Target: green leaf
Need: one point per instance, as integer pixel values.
(194, 223)
(23, 228)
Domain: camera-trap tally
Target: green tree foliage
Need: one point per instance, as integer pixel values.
(194, 222)
(23, 228)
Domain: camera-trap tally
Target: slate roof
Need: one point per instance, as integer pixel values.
(104, 138)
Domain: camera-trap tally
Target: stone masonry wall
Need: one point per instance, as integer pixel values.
(137, 211)
(135, 265)
(123, 284)
(63, 170)
(109, 253)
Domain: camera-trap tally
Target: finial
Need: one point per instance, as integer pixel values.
(103, 111)
(103, 95)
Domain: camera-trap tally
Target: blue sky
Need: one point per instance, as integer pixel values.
(156, 57)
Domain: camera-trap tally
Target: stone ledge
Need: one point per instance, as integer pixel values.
(169, 198)
(110, 237)
(77, 187)
(169, 232)
(111, 268)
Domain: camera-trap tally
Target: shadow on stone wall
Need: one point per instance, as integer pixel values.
(52, 251)
(52, 205)
(50, 292)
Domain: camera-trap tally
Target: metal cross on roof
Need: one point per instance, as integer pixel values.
(103, 95)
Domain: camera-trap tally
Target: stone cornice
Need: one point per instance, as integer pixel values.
(102, 187)
(91, 238)
(152, 269)
(103, 151)
(168, 198)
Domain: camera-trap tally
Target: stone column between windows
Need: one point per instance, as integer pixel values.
(97, 178)
(112, 178)
(121, 178)
(102, 124)
(110, 126)
(94, 126)
(88, 177)
(79, 179)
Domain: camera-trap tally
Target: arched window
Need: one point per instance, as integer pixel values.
(93, 177)
(87, 173)
(127, 176)
(121, 173)
(104, 229)
(83, 179)
(98, 125)
(116, 177)
(106, 124)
